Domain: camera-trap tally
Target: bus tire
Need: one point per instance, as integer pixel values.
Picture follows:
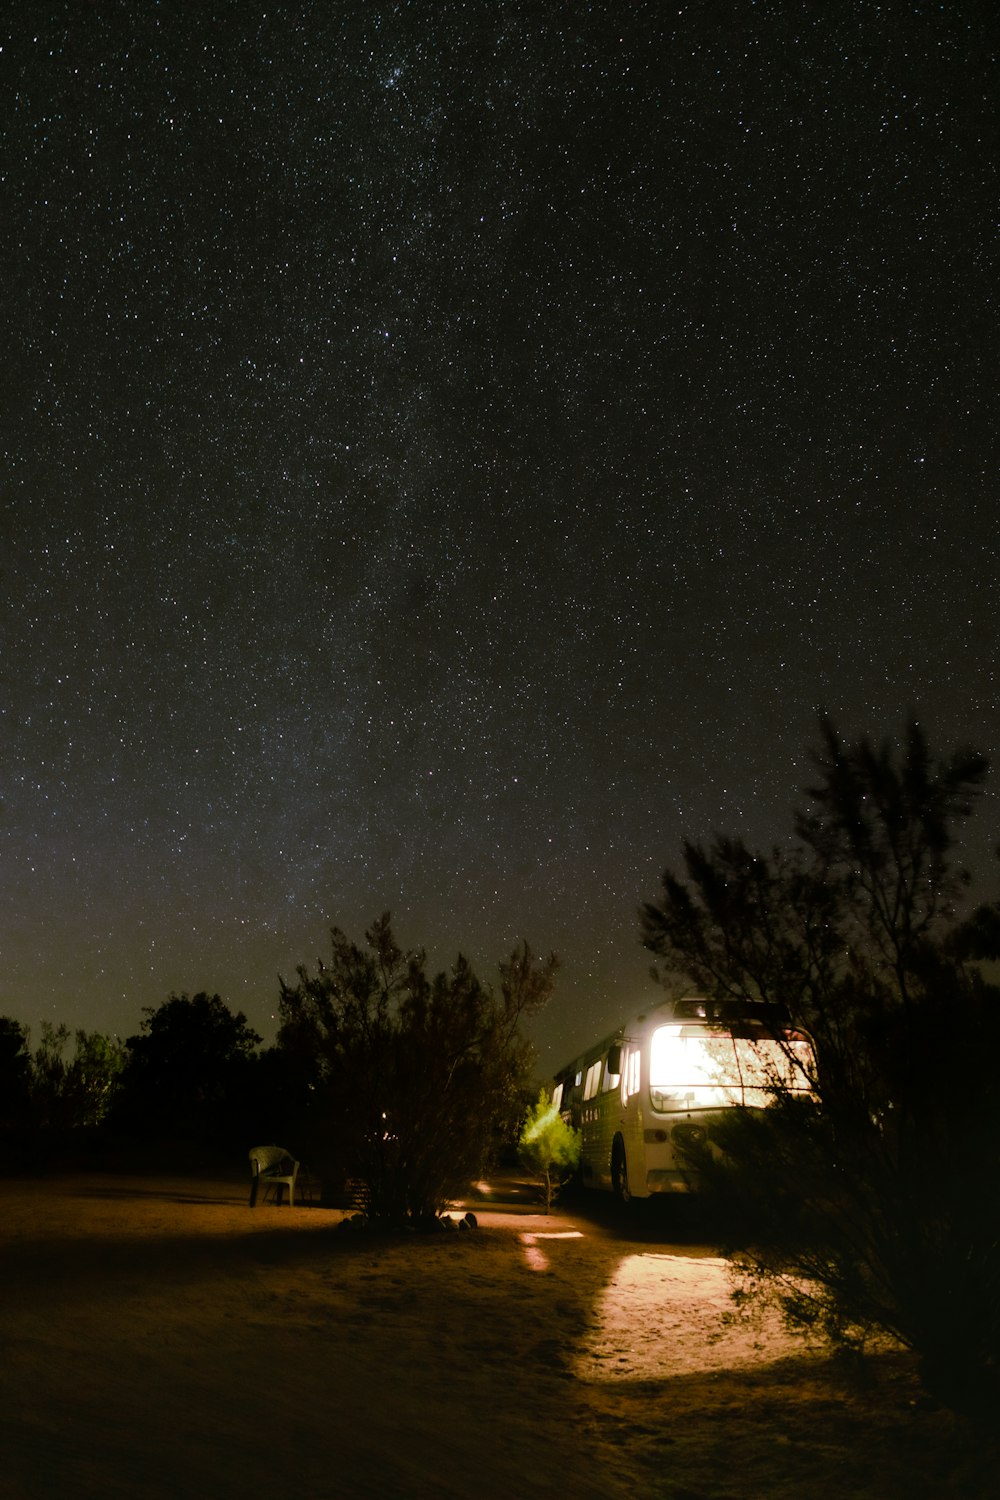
(619, 1172)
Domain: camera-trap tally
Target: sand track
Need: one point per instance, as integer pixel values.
(160, 1339)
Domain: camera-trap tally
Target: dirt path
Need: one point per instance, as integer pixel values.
(159, 1339)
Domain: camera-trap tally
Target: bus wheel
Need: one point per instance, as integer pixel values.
(619, 1172)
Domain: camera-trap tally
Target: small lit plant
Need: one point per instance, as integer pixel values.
(549, 1147)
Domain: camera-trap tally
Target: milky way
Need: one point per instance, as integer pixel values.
(451, 452)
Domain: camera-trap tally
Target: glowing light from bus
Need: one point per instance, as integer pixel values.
(662, 1316)
(536, 1257)
(689, 1069)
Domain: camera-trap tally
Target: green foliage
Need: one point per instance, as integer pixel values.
(411, 1079)
(77, 1092)
(548, 1146)
(49, 1090)
(872, 1207)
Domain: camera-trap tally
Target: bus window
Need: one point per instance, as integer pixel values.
(692, 1068)
(630, 1072)
(557, 1094)
(593, 1078)
(768, 1063)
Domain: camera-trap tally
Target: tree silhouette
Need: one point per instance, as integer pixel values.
(412, 1078)
(186, 1072)
(15, 1074)
(880, 1192)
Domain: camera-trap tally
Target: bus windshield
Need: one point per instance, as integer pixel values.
(694, 1068)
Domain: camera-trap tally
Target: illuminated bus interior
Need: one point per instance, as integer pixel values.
(693, 1068)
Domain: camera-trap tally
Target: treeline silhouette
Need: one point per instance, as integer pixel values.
(192, 1085)
(381, 1073)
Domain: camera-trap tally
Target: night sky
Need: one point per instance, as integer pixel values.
(451, 452)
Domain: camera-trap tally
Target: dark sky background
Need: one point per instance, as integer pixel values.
(452, 452)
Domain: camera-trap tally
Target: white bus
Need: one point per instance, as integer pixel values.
(645, 1094)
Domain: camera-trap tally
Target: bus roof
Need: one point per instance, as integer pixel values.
(690, 1008)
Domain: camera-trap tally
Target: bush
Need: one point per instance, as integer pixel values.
(411, 1080)
(549, 1147)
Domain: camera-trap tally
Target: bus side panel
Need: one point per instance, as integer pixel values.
(598, 1127)
(631, 1130)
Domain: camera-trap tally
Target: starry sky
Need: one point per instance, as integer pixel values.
(451, 452)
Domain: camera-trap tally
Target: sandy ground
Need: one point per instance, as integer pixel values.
(159, 1338)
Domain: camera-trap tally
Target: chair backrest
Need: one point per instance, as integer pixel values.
(264, 1158)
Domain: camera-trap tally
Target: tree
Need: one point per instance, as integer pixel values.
(873, 1205)
(549, 1147)
(411, 1079)
(74, 1093)
(186, 1072)
(15, 1074)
